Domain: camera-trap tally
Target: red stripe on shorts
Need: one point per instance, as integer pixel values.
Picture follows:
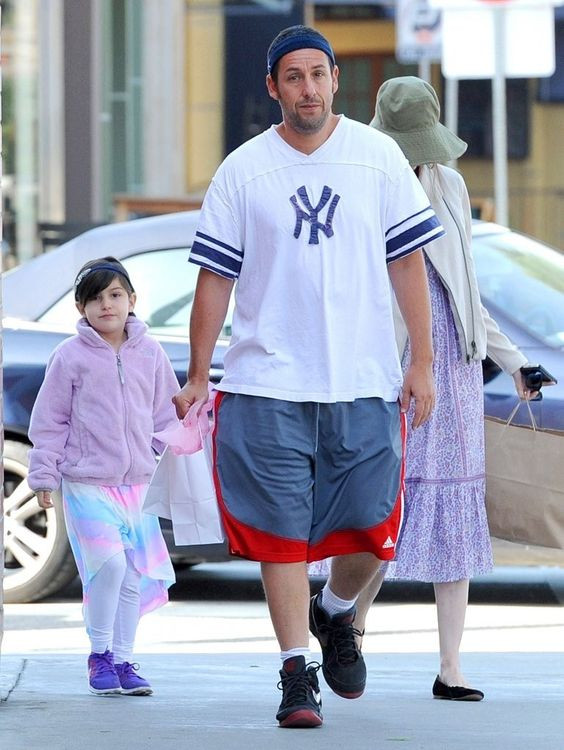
(381, 540)
(246, 541)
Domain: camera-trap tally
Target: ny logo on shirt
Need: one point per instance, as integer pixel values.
(311, 214)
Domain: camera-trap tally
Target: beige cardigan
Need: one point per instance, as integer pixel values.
(451, 256)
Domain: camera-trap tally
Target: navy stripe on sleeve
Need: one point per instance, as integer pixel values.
(407, 251)
(410, 219)
(413, 238)
(216, 255)
(212, 241)
(212, 267)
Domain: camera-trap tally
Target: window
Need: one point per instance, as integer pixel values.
(164, 282)
(122, 98)
(552, 89)
(525, 279)
(475, 117)
(360, 77)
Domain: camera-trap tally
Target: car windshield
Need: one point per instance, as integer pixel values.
(525, 279)
(164, 282)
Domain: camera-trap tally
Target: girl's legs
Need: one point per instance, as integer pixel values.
(127, 615)
(452, 600)
(125, 628)
(101, 603)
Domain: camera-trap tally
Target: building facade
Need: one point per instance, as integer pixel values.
(116, 108)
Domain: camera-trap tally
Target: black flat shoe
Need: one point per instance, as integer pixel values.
(455, 693)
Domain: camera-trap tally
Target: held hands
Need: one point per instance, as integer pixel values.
(44, 499)
(188, 395)
(419, 385)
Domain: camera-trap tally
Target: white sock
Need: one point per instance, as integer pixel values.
(332, 604)
(300, 651)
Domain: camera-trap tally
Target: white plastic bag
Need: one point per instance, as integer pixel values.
(182, 487)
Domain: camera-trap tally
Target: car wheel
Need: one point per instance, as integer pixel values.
(37, 556)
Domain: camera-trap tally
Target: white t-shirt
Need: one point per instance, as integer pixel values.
(308, 238)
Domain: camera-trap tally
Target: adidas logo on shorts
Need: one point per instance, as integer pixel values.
(388, 543)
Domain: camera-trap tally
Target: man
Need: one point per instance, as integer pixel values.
(307, 218)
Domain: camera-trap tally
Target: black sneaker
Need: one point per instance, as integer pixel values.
(343, 666)
(301, 701)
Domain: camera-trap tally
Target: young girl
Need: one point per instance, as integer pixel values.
(105, 391)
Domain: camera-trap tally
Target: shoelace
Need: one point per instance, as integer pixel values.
(127, 668)
(343, 637)
(103, 663)
(296, 687)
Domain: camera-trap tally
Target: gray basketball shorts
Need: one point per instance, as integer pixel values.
(304, 481)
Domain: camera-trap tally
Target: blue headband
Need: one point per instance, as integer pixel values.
(305, 39)
(101, 267)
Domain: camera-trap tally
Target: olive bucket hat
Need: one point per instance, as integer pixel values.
(407, 109)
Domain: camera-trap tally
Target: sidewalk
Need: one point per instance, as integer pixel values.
(11, 669)
(227, 702)
(214, 667)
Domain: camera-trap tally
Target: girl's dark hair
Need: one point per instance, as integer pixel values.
(96, 275)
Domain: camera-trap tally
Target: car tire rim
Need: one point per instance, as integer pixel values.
(29, 531)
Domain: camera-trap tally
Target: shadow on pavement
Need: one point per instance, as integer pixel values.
(240, 581)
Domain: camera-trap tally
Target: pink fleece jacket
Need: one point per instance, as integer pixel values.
(95, 411)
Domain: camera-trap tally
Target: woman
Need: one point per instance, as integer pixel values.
(445, 538)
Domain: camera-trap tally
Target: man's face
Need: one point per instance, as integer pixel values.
(304, 88)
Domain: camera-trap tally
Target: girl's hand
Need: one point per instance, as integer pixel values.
(44, 499)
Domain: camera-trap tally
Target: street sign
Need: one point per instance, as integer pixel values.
(507, 4)
(469, 37)
(418, 32)
(498, 39)
(469, 48)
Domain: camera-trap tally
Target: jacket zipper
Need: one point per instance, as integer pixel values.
(473, 342)
(122, 381)
(120, 370)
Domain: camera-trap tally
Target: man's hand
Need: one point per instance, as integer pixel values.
(211, 300)
(419, 385)
(188, 395)
(409, 281)
(44, 499)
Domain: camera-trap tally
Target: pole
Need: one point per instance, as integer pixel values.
(425, 69)
(451, 108)
(499, 118)
(25, 15)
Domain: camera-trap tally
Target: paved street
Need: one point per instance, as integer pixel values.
(212, 660)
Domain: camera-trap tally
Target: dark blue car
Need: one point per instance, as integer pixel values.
(522, 285)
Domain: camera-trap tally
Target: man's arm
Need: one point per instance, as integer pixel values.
(211, 300)
(409, 281)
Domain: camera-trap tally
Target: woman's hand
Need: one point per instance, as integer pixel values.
(520, 386)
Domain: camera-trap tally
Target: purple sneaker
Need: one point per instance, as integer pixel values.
(102, 675)
(131, 683)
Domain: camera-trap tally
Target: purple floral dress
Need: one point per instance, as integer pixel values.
(445, 534)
